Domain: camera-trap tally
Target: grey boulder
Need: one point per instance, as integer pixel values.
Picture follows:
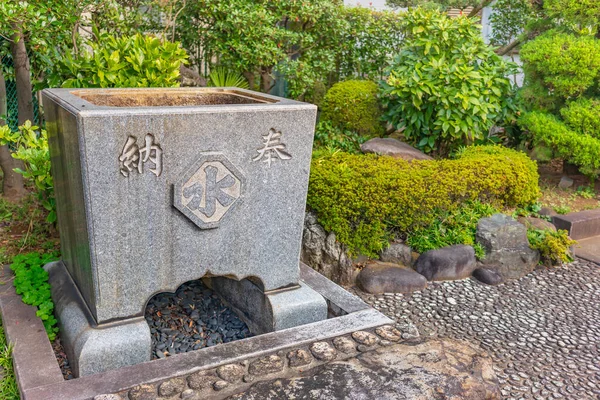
(448, 263)
(381, 277)
(506, 246)
(487, 276)
(393, 147)
(398, 253)
(536, 223)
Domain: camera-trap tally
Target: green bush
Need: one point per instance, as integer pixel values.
(353, 105)
(31, 282)
(329, 136)
(577, 148)
(554, 247)
(446, 88)
(31, 146)
(130, 61)
(366, 200)
(457, 226)
(559, 66)
(583, 116)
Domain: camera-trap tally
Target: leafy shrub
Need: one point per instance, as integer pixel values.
(559, 66)
(31, 282)
(31, 146)
(130, 61)
(331, 137)
(366, 200)
(554, 247)
(583, 116)
(222, 77)
(446, 87)
(365, 46)
(577, 148)
(353, 105)
(457, 226)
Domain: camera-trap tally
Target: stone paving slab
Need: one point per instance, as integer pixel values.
(589, 249)
(543, 331)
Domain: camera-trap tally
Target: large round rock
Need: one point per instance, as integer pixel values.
(381, 277)
(448, 263)
(506, 246)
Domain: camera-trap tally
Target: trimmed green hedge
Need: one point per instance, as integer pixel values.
(353, 105)
(576, 148)
(366, 200)
(583, 116)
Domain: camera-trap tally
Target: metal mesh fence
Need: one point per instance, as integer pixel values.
(12, 117)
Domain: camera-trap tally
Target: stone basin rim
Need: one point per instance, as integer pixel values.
(79, 100)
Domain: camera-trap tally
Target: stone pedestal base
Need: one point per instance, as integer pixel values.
(94, 348)
(271, 311)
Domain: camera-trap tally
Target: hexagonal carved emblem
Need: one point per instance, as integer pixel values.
(208, 190)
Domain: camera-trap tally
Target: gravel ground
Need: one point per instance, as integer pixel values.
(543, 331)
(190, 319)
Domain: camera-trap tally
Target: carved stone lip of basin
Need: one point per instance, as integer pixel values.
(170, 97)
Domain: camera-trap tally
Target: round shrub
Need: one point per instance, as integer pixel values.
(446, 87)
(366, 200)
(353, 105)
(565, 64)
(583, 116)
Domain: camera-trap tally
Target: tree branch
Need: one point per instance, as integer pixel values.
(479, 7)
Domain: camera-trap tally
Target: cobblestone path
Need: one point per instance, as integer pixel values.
(543, 331)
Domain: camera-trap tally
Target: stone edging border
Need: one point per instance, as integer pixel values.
(39, 376)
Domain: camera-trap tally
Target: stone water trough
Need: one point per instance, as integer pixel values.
(159, 187)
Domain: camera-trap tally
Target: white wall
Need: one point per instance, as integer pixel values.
(376, 4)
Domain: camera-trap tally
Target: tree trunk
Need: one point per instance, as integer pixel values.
(12, 184)
(22, 76)
(249, 75)
(266, 80)
(501, 51)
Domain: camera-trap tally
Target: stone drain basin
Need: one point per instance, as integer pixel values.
(197, 372)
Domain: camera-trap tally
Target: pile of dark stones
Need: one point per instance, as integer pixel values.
(192, 318)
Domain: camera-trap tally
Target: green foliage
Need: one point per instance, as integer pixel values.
(510, 19)
(435, 4)
(554, 247)
(365, 45)
(353, 105)
(531, 210)
(586, 192)
(446, 87)
(131, 61)
(31, 147)
(31, 282)
(579, 14)
(222, 77)
(583, 116)
(562, 209)
(559, 66)
(456, 226)
(8, 383)
(43, 25)
(333, 138)
(576, 148)
(366, 200)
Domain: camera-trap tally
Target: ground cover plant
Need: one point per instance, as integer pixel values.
(31, 282)
(456, 226)
(367, 200)
(554, 246)
(8, 383)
